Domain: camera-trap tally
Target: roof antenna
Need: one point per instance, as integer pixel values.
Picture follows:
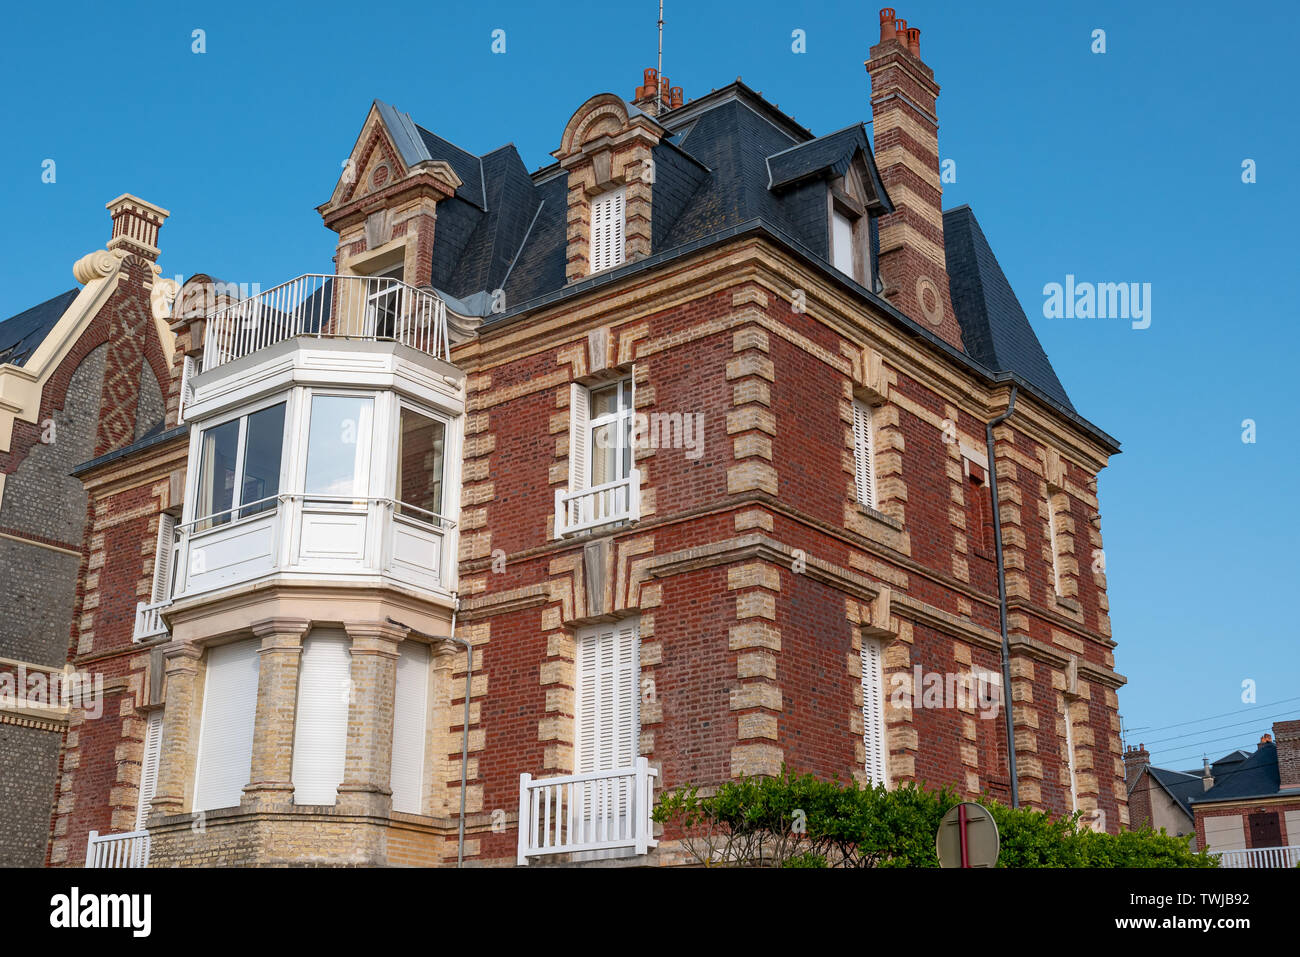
(659, 84)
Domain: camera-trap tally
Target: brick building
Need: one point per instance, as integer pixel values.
(80, 374)
(667, 462)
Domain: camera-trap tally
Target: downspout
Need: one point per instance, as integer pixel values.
(464, 738)
(1002, 598)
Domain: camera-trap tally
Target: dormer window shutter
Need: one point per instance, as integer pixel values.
(579, 439)
(864, 454)
(607, 228)
(187, 373)
(162, 560)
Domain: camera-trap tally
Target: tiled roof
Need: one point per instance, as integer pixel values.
(1254, 776)
(22, 334)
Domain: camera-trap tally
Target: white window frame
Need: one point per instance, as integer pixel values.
(620, 418)
(608, 229)
(864, 454)
(197, 458)
(838, 253)
(383, 294)
(366, 442)
(875, 741)
(404, 404)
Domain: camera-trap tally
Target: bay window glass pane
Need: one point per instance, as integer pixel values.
(262, 446)
(338, 445)
(420, 454)
(218, 449)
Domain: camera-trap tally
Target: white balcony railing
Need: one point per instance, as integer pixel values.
(148, 620)
(617, 501)
(1260, 857)
(344, 307)
(601, 810)
(118, 850)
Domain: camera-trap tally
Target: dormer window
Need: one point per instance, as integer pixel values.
(850, 229)
(608, 220)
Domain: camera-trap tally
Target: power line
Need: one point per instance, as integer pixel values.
(1226, 714)
(1262, 717)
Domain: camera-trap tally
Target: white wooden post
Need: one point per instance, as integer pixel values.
(641, 804)
(90, 848)
(525, 780)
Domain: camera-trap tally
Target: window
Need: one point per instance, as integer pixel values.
(609, 431)
(842, 245)
(979, 512)
(384, 294)
(240, 456)
(607, 218)
(410, 704)
(609, 720)
(149, 767)
(421, 449)
(873, 710)
(338, 446)
(225, 756)
(1056, 503)
(321, 725)
(864, 478)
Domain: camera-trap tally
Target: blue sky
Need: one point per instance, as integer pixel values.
(1115, 167)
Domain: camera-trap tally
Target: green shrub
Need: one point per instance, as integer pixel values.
(801, 821)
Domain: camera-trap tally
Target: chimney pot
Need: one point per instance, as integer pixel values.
(914, 41)
(900, 32)
(886, 24)
(677, 97)
(1265, 738)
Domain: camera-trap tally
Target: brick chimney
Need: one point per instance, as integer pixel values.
(645, 99)
(913, 265)
(1207, 774)
(1286, 735)
(135, 225)
(1139, 799)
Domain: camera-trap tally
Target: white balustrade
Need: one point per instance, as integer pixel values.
(148, 620)
(600, 810)
(617, 501)
(1260, 857)
(118, 850)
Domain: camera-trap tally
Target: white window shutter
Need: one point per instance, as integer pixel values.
(607, 230)
(864, 454)
(149, 768)
(579, 440)
(608, 723)
(187, 373)
(410, 704)
(225, 759)
(321, 729)
(162, 558)
(873, 710)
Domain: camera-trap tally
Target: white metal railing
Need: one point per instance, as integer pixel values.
(1260, 857)
(347, 307)
(617, 501)
(601, 810)
(148, 620)
(118, 850)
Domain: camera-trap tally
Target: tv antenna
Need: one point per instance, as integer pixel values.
(659, 76)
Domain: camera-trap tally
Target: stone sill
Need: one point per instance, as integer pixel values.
(880, 517)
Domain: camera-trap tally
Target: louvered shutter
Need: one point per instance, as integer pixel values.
(873, 710)
(864, 454)
(608, 725)
(579, 438)
(225, 759)
(149, 768)
(162, 558)
(607, 219)
(321, 728)
(187, 373)
(409, 710)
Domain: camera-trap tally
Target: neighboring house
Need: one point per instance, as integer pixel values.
(80, 374)
(683, 435)
(1251, 813)
(1160, 797)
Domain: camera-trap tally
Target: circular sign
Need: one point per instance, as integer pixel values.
(968, 837)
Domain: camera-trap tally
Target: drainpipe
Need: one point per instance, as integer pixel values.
(464, 738)
(1002, 598)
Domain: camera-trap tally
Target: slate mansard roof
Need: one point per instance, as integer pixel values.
(730, 161)
(22, 334)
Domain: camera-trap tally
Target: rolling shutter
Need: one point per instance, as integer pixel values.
(149, 769)
(321, 730)
(579, 452)
(410, 707)
(873, 710)
(607, 218)
(608, 726)
(225, 759)
(162, 561)
(863, 455)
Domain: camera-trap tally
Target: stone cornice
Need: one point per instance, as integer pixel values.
(1033, 648)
